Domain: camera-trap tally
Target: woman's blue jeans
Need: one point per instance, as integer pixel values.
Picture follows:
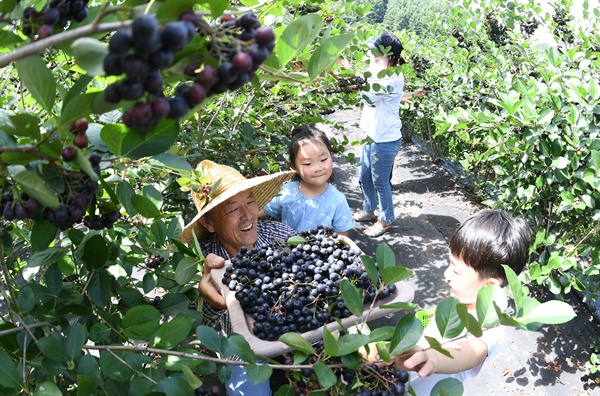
(377, 163)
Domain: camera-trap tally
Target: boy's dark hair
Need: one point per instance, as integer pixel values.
(307, 132)
(489, 239)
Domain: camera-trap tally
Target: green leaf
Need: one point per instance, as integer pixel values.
(75, 90)
(468, 320)
(406, 335)
(125, 192)
(560, 162)
(141, 322)
(209, 338)
(148, 282)
(38, 80)
(391, 275)
(191, 378)
(326, 376)
(295, 240)
(371, 268)
(487, 296)
(88, 52)
(383, 352)
(54, 279)
(26, 299)
(99, 332)
(170, 333)
(297, 342)
(351, 342)
(139, 144)
(145, 207)
(25, 125)
(330, 341)
(169, 161)
(297, 36)
(35, 187)
(99, 287)
(327, 54)
(46, 257)
(47, 388)
(237, 345)
(436, 346)
(448, 387)
(258, 373)
(76, 339)
(159, 232)
(550, 312)
(515, 286)
(352, 298)
(186, 269)
(43, 234)
(83, 162)
(52, 349)
(383, 333)
(9, 376)
(385, 256)
(113, 136)
(95, 252)
(113, 367)
(446, 318)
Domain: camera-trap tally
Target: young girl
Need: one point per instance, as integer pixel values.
(381, 122)
(310, 200)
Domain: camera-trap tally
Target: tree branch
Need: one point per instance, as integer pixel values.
(38, 46)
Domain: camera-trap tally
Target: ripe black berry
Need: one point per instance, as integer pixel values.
(208, 76)
(120, 42)
(174, 36)
(80, 140)
(69, 153)
(264, 36)
(178, 107)
(242, 61)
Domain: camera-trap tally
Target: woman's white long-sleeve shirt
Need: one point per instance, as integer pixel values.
(381, 119)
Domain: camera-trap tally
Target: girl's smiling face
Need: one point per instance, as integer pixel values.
(313, 162)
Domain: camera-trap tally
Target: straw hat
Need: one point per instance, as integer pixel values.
(265, 188)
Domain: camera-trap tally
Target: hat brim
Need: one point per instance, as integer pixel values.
(265, 188)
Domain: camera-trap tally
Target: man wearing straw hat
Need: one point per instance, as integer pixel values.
(223, 226)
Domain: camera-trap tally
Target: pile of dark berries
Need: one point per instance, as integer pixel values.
(57, 13)
(76, 200)
(154, 261)
(237, 48)
(297, 288)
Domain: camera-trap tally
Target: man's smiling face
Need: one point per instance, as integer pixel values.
(234, 221)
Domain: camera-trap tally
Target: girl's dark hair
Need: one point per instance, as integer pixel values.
(387, 40)
(489, 239)
(307, 132)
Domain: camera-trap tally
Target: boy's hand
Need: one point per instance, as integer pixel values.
(372, 356)
(416, 359)
(206, 288)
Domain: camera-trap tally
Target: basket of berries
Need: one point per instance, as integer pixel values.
(298, 286)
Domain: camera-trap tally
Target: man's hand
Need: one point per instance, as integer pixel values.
(212, 296)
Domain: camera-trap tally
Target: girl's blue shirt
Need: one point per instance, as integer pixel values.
(330, 209)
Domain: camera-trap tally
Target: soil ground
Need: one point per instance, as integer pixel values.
(430, 204)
